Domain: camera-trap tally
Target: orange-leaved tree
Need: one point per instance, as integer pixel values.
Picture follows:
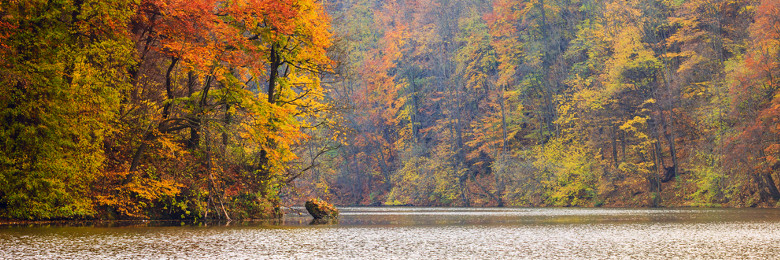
(755, 149)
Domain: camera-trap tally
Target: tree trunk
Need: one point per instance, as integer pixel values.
(194, 140)
(149, 136)
(137, 156)
(501, 104)
(169, 88)
(274, 69)
(771, 186)
(613, 131)
(276, 62)
(227, 123)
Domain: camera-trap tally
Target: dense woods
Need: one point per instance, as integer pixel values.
(231, 109)
(158, 108)
(558, 103)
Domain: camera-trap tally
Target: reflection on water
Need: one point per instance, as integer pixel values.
(402, 233)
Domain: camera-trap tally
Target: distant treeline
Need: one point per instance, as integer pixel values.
(558, 103)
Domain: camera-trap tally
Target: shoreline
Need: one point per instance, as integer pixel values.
(294, 213)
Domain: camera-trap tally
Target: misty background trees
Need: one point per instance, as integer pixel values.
(561, 103)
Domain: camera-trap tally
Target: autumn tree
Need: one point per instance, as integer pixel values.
(159, 108)
(63, 70)
(754, 148)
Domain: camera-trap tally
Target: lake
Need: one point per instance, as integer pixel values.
(420, 233)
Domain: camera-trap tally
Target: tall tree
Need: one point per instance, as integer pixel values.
(62, 72)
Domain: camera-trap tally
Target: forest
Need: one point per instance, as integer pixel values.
(236, 109)
(622, 103)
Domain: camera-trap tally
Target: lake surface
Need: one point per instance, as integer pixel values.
(423, 233)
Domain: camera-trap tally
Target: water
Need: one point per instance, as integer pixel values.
(424, 233)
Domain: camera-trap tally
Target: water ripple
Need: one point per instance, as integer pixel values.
(415, 233)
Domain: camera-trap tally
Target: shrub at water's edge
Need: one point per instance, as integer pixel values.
(320, 209)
